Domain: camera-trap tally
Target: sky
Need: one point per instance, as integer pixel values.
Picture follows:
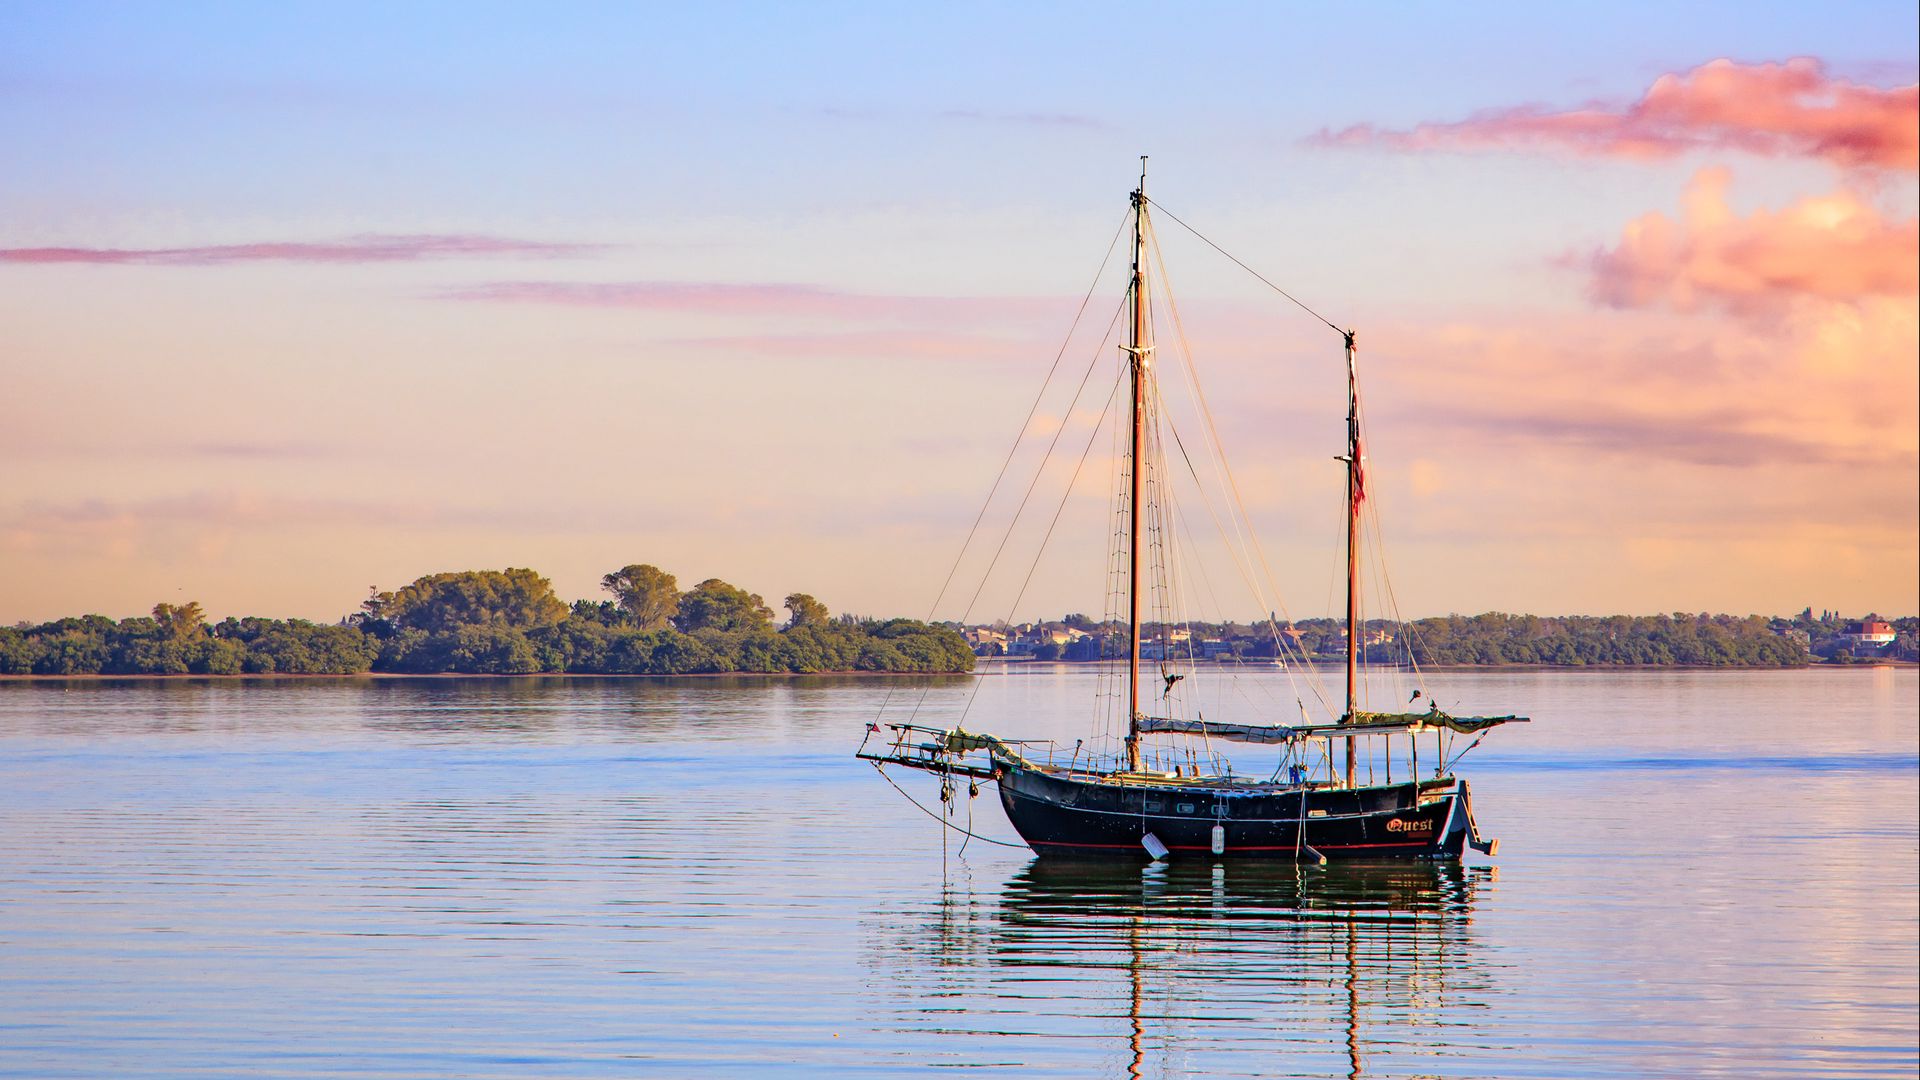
(305, 299)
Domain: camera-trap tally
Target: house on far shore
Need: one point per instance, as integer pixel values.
(986, 641)
(1870, 633)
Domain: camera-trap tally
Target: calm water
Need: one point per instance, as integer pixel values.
(1702, 874)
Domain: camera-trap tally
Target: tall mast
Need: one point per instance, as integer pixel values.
(1355, 492)
(1138, 349)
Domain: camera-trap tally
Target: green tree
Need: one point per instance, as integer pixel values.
(17, 652)
(715, 605)
(182, 622)
(146, 647)
(513, 598)
(649, 595)
(805, 611)
(72, 646)
(416, 652)
(299, 647)
(678, 654)
(490, 650)
(220, 657)
(831, 647)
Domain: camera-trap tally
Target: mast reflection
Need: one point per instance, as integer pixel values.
(1318, 966)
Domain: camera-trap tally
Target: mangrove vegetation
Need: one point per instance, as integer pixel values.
(498, 622)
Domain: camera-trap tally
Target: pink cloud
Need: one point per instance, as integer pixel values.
(1790, 109)
(660, 296)
(1823, 386)
(1703, 435)
(359, 249)
(766, 299)
(40, 522)
(867, 344)
(1835, 247)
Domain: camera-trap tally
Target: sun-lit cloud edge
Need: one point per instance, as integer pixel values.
(1836, 246)
(1785, 109)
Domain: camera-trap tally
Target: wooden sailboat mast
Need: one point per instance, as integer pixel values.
(1355, 492)
(1139, 350)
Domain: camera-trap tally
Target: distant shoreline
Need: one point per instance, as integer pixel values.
(1209, 665)
(386, 676)
(457, 675)
(987, 666)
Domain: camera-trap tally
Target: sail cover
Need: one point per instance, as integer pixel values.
(1365, 723)
(1252, 733)
(1466, 725)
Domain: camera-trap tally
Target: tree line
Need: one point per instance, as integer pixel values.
(1496, 639)
(1680, 639)
(498, 622)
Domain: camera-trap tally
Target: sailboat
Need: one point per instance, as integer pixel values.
(1315, 807)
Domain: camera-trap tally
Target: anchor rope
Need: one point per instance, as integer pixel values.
(937, 817)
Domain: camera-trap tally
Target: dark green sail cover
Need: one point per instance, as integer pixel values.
(1435, 718)
(1364, 723)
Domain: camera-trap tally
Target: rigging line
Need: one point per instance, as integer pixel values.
(1187, 369)
(1412, 632)
(1173, 522)
(937, 817)
(1447, 765)
(972, 792)
(1048, 456)
(1207, 502)
(1280, 641)
(1296, 300)
(1389, 666)
(1031, 410)
(1064, 497)
(1250, 538)
(1217, 456)
(1107, 707)
(1048, 536)
(1386, 575)
(1187, 560)
(1195, 564)
(1160, 588)
(1334, 573)
(1388, 609)
(1038, 472)
(1380, 580)
(1123, 544)
(1018, 437)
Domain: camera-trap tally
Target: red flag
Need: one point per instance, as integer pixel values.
(1359, 474)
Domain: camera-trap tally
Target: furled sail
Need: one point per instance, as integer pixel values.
(1366, 723)
(1251, 733)
(1465, 725)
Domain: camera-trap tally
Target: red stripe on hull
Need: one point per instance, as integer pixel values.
(1237, 847)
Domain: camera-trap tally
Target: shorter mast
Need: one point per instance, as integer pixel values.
(1356, 491)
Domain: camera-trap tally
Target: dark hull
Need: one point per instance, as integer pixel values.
(1061, 815)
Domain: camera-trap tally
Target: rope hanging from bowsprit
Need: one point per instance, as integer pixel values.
(939, 817)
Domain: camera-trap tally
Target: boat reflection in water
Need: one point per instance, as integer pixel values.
(1238, 968)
